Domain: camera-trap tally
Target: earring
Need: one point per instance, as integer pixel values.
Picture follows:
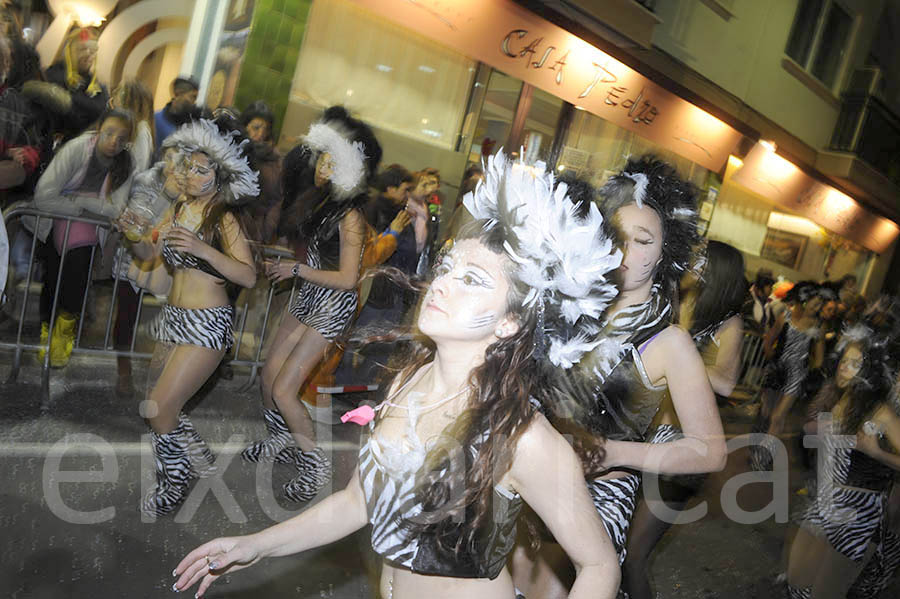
(498, 332)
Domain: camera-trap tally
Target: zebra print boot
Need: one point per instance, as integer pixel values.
(271, 448)
(202, 460)
(173, 472)
(315, 472)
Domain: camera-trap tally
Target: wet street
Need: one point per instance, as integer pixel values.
(75, 473)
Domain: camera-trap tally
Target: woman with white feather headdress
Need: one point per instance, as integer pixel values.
(459, 442)
(203, 240)
(324, 183)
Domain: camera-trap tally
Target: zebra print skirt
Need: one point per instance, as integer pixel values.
(849, 522)
(206, 327)
(325, 310)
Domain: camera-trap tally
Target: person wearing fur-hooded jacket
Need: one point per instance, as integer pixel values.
(325, 181)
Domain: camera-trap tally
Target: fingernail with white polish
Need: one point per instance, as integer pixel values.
(175, 572)
(175, 587)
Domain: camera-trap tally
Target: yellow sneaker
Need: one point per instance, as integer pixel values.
(45, 335)
(63, 340)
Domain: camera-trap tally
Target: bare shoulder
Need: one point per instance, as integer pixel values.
(674, 338)
(538, 435)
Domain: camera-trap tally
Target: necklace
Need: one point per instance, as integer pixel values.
(413, 408)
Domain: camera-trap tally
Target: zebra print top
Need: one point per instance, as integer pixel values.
(392, 506)
(852, 468)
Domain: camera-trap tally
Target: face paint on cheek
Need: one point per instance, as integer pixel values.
(207, 187)
(482, 321)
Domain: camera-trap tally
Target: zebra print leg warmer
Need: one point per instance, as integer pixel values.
(173, 472)
(272, 447)
(203, 462)
(315, 472)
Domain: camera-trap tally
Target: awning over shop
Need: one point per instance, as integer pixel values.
(766, 173)
(521, 44)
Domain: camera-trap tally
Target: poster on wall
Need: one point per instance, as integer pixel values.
(224, 80)
(783, 247)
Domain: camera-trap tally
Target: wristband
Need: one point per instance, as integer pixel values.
(396, 234)
(295, 270)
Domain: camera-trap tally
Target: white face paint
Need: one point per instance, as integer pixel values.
(467, 299)
(641, 238)
(201, 176)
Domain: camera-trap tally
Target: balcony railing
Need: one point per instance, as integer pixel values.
(868, 128)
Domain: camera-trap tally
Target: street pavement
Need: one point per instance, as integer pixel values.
(74, 473)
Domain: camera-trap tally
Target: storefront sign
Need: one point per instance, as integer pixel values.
(771, 176)
(521, 44)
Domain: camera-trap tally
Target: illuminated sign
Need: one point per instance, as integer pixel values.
(521, 44)
(778, 180)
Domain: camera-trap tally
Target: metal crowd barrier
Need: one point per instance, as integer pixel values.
(752, 361)
(18, 345)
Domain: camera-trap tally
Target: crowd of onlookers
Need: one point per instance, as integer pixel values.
(74, 148)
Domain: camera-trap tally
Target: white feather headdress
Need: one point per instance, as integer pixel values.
(562, 257)
(233, 172)
(348, 157)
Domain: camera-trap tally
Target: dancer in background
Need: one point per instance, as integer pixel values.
(458, 445)
(326, 179)
(204, 242)
(847, 512)
(793, 346)
(711, 312)
(654, 213)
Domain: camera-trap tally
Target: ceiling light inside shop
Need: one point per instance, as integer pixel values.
(734, 161)
(577, 107)
(349, 92)
(384, 68)
(431, 132)
(424, 121)
(561, 167)
(426, 69)
(769, 145)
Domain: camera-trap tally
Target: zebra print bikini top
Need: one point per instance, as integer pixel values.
(392, 506)
(177, 259)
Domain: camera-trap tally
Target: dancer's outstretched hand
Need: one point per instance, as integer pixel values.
(211, 560)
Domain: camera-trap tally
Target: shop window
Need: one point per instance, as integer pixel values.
(389, 76)
(596, 148)
(820, 39)
(496, 118)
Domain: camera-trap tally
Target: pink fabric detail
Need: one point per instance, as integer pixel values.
(80, 235)
(362, 415)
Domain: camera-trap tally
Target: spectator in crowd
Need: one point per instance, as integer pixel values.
(19, 140)
(425, 208)
(257, 122)
(89, 176)
(847, 291)
(180, 109)
(84, 98)
(26, 64)
(133, 96)
(757, 309)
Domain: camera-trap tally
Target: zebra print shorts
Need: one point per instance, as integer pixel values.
(616, 498)
(206, 327)
(323, 309)
(849, 523)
